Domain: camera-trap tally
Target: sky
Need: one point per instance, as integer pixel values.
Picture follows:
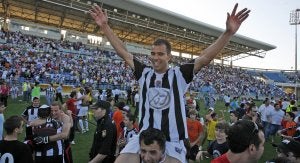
(268, 22)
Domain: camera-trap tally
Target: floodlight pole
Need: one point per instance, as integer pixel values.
(295, 20)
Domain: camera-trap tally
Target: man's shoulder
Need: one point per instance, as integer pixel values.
(222, 159)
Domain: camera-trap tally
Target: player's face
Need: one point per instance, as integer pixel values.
(36, 103)
(55, 111)
(151, 153)
(159, 58)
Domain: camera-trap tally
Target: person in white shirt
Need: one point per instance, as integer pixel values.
(285, 104)
(274, 118)
(264, 110)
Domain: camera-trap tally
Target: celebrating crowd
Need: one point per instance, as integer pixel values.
(169, 128)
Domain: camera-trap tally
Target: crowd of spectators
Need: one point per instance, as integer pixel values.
(26, 57)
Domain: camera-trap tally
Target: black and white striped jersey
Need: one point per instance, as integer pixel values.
(162, 99)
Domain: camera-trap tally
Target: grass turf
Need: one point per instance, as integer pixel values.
(83, 142)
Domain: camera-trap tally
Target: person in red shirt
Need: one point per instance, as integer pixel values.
(195, 132)
(118, 117)
(289, 126)
(72, 108)
(246, 143)
(4, 91)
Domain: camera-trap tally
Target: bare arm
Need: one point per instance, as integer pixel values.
(233, 23)
(65, 130)
(98, 158)
(101, 20)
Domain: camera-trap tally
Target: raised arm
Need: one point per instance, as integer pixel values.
(101, 20)
(233, 22)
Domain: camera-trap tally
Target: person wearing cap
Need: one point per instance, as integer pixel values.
(246, 143)
(29, 114)
(105, 138)
(43, 127)
(61, 122)
(289, 149)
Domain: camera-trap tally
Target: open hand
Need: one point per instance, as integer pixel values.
(99, 15)
(234, 20)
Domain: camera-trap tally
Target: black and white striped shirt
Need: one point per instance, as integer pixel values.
(128, 134)
(50, 91)
(52, 149)
(162, 99)
(31, 113)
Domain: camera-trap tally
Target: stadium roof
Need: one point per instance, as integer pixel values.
(133, 21)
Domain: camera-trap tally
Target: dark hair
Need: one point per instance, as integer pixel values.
(130, 117)
(242, 105)
(12, 123)
(252, 105)
(223, 126)
(291, 114)
(163, 42)
(1, 103)
(213, 115)
(292, 102)
(73, 94)
(242, 134)
(150, 135)
(235, 113)
(294, 108)
(281, 160)
(35, 98)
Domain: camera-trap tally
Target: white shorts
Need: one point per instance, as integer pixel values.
(83, 111)
(173, 149)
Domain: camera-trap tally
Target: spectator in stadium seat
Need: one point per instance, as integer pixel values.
(169, 83)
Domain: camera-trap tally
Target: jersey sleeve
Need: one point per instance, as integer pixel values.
(138, 68)
(187, 71)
